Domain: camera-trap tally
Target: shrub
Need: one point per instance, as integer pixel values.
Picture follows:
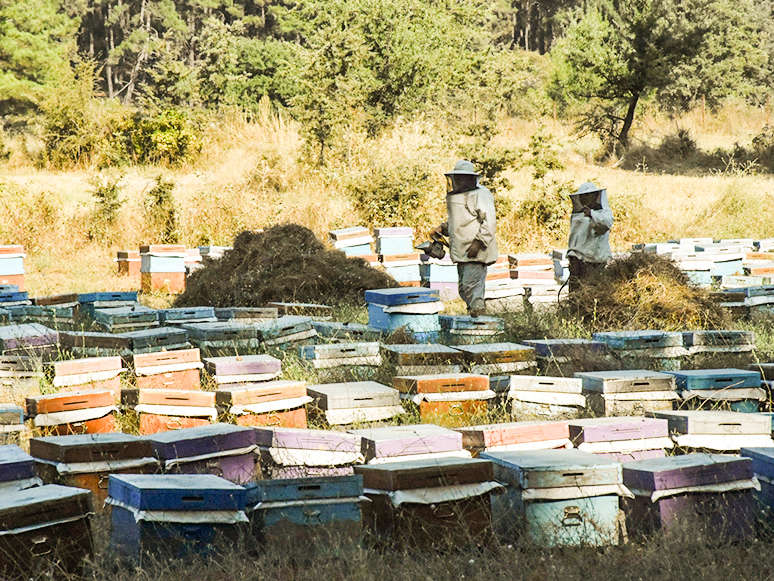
(170, 137)
(395, 195)
(680, 144)
(161, 211)
(106, 193)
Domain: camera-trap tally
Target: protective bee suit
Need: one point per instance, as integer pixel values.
(471, 228)
(590, 223)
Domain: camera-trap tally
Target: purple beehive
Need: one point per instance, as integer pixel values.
(710, 492)
(403, 442)
(221, 449)
(622, 438)
(298, 452)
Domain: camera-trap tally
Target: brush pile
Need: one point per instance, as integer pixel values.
(644, 291)
(286, 263)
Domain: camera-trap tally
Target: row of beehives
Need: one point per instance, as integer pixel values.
(414, 487)
(159, 266)
(730, 263)
(425, 375)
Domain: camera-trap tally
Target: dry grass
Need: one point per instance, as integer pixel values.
(252, 174)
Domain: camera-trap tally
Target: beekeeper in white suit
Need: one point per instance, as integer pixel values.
(471, 228)
(589, 245)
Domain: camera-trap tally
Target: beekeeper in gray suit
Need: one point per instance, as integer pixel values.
(590, 223)
(471, 228)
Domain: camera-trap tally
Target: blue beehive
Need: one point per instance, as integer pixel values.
(173, 514)
(394, 245)
(390, 297)
(153, 263)
(439, 272)
(763, 467)
(302, 512)
(739, 387)
(11, 266)
(17, 469)
(557, 497)
(359, 250)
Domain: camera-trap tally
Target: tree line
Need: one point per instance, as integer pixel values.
(342, 65)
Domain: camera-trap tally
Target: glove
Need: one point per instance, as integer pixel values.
(475, 247)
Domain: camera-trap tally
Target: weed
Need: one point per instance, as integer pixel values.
(107, 202)
(161, 211)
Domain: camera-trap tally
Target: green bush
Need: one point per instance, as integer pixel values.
(170, 137)
(395, 195)
(107, 202)
(161, 211)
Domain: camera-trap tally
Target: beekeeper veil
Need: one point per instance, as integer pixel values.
(589, 196)
(463, 178)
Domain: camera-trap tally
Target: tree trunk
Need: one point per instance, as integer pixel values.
(110, 42)
(623, 137)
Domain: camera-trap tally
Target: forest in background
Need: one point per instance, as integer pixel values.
(110, 82)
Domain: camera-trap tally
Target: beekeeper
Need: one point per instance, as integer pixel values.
(471, 227)
(589, 246)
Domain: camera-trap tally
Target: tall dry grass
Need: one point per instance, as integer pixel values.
(253, 173)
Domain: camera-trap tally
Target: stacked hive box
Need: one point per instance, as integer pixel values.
(129, 263)
(356, 402)
(719, 431)
(12, 266)
(470, 329)
(395, 247)
(449, 400)
(89, 303)
(622, 438)
(187, 315)
(316, 311)
(77, 412)
(29, 339)
(431, 503)
(441, 275)
(354, 241)
(423, 359)
(127, 319)
(46, 529)
(17, 469)
(174, 515)
(628, 391)
(416, 442)
(213, 252)
(287, 332)
(222, 338)
(227, 371)
(739, 390)
(90, 373)
(83, 344)
(660, 349)
(540, 397)
(342, 354)
(246, 315)
(297, 453)
(161, 410)
(168, 369)
(302, 514)
(162, 267)
(335, 332)
(532, 268)
(514, 436)
(711, 493)
(271, 403)
(558, 497)
(415, 309)
(155, 340)
(220, 449)
(87, 460)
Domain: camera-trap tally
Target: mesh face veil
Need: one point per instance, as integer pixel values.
(458, 183)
